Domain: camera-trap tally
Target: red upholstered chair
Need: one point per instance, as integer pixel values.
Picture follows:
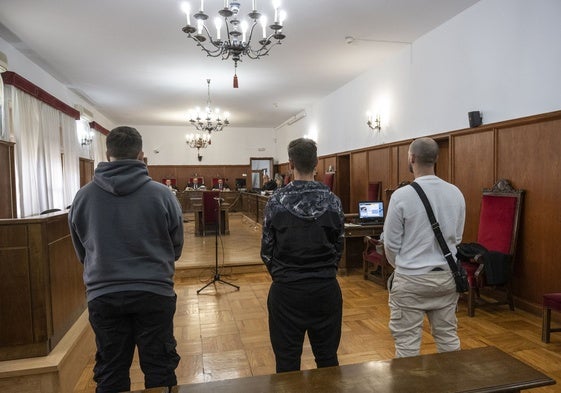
(375, 266)
(329, 179)
(499, 220)
(375, 191)
(551, 301)
(210, 211)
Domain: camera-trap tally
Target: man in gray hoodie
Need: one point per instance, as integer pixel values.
(127, 230)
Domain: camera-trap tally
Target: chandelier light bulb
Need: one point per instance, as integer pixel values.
(244, 30)
(218, 25)
(263, 21)
(282, 17)
(186, 8)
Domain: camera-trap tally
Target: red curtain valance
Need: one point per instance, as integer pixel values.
(11, 78)
(99, 128)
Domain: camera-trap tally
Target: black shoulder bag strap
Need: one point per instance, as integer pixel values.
(436, 229)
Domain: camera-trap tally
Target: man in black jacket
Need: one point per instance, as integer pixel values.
(302, 242)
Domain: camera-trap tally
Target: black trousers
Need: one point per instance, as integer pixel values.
(312, 306)
(122, 320)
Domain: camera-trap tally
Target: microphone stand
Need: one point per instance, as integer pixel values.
(216, 271)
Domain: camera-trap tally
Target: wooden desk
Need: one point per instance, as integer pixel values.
(475, 370)
(353, 245)
(42, 292)
(224, 220)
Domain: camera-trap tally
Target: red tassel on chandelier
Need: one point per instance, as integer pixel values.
(235, 75)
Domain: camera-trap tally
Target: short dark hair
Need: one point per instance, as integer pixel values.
(124, 143)
(425, 150)
(303, 153)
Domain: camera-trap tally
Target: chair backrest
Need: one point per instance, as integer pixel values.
(49, 211)
(375, 191)
(201, 180)
(329, 179)
(389, 191)
(210, 207)
(499, 219)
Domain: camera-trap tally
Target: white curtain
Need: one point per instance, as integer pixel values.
(98, 147)
(25, 127)
(37, 130)
(49, 163)
(71, 161)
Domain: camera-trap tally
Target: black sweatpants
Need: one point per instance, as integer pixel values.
(312, 306)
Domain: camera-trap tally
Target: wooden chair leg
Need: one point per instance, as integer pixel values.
(546, 324)
(509, 297)
(471, 301)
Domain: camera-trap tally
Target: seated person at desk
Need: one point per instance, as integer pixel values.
(268, 184)
(194, 185)
(173, 188)
(221, 185)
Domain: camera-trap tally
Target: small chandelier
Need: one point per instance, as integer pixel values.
(233, 45)
(198, 141)
(373, 121)
(210, 119)
(87, 139)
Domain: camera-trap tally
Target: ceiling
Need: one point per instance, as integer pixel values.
(130, 60)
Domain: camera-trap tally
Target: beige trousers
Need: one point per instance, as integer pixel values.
(411, 298)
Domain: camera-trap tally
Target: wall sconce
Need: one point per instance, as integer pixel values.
(374, 122)
(87, 139)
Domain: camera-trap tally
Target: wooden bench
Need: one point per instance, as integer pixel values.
(485, 369)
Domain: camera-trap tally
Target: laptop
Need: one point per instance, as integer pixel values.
(371, 213)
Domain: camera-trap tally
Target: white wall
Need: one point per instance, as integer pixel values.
(22, 66)
(502, 57)
(232, 146)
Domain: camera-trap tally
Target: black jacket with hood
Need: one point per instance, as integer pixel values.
(303, 232)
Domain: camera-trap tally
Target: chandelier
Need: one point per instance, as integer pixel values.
(239, 34)
(209, 120)
(198, 141)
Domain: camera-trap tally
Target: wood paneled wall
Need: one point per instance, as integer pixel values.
(182, 173)
(524, 151)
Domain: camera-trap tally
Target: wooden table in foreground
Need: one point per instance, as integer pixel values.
(474, 370)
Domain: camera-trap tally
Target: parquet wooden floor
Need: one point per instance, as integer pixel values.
(223, 333)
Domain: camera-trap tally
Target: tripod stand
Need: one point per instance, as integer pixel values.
(217, 229)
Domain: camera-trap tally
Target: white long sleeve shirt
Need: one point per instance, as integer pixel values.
(409, 241)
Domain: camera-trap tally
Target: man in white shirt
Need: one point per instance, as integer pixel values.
(423, 283)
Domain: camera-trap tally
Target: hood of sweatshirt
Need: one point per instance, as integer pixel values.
(121, 177)
(305, 199)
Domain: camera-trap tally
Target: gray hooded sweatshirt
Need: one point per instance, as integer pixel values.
(127, 230)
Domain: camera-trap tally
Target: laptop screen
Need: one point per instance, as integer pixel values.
(371, 211)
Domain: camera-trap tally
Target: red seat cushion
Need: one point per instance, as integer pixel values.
(552, 300)
(373, 257)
